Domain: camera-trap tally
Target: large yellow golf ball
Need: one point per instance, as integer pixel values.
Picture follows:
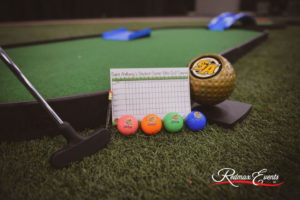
(212, 79)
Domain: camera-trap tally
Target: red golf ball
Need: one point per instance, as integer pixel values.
(128, 125)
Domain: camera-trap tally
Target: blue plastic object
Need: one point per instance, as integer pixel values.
(195, 121)
(125, 35)
(227, 19)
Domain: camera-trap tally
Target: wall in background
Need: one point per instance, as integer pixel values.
(22, 10)
(215, 7)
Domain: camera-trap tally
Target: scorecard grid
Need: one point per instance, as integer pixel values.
(159, 94)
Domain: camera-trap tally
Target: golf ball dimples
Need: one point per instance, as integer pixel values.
(195, 121)
(127, 125)
(212, 79)
(151, 124)
(173, 122)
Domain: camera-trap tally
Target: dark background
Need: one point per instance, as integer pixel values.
(24, 10)
(14, 10)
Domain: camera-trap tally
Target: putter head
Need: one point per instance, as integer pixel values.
(86, 146)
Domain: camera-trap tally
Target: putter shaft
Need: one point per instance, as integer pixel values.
(14, 68)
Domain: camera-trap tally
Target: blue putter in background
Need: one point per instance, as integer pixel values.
(227, 19)
(124, 35)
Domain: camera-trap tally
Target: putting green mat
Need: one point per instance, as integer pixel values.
(82, 66)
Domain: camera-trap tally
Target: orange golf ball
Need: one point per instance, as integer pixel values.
(151, 124)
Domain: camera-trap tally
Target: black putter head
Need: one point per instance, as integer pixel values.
(78, 146)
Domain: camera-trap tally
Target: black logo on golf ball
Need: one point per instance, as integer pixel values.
(206, 67)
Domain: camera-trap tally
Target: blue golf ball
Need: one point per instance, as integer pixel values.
(195, 121)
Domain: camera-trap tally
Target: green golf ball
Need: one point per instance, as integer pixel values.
(173, 122)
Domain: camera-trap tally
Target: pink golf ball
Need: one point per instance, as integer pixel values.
(128, 125)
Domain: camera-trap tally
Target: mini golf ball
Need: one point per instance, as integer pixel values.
(212, 79)
(173, 122)
(195, 121)
(151, 124)
(127, 125)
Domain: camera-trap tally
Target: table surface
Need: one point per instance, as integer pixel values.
(82, 66)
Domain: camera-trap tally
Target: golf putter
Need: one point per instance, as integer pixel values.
(78, 146)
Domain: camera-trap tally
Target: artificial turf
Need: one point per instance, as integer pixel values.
(180, 166)
(82, 66)
(11, 34)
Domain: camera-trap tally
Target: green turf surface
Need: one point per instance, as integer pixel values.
(82, 66)
(10, 34)
(179, 166)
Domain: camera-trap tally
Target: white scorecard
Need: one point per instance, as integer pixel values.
(142, 91)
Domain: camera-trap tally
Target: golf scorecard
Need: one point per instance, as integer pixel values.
(142, 91)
